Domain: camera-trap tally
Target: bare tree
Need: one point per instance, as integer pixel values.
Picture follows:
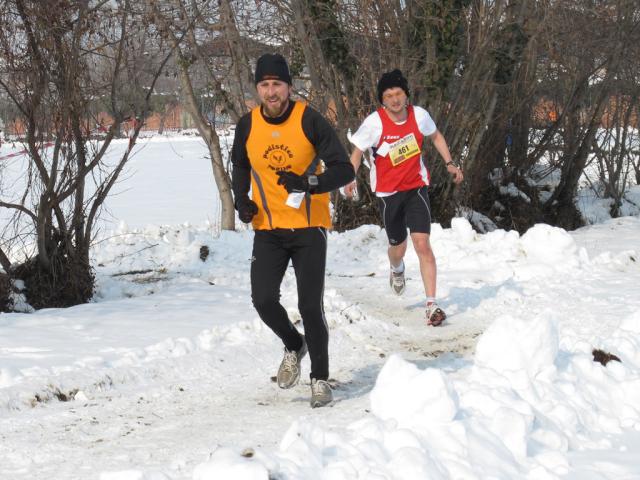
(55, 63)
(512, 84)
(615, 149)
(189, 26)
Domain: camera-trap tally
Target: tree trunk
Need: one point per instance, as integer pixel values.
(5, 263)
(243, 77)
(312, 52)
(212, 140)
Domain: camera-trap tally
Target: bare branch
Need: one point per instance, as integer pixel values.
(21, 208)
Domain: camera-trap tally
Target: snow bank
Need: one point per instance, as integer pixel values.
(224, 464)
(515, 413)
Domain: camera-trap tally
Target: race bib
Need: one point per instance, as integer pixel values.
(403, 149)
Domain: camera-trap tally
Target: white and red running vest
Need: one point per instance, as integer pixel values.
(394, 170)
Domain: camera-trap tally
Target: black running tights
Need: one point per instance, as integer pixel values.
(307, 250)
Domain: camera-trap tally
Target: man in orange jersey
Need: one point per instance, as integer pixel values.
(290, 158)
(394, 136)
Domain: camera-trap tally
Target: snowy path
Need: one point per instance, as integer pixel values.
(196, 372)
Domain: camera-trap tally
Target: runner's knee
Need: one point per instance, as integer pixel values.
(265, 301)
(310, 311)
(422, 246)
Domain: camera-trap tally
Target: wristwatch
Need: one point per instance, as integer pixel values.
(313, 181)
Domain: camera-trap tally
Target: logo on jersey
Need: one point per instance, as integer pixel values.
(277, 156)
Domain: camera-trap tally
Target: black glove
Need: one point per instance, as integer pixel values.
(247, 208)
(293, 182)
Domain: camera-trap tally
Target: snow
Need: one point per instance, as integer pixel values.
(513, 191)
(167, 373)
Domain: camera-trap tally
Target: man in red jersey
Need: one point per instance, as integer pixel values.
(394, 135)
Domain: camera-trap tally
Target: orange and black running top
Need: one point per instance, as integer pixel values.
(300, 141)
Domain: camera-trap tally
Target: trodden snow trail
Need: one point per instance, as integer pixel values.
(170, 419)
(169, 414)
(402, 322)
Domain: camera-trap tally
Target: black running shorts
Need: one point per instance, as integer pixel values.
(406, 209)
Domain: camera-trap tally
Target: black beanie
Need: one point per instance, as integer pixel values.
(272, 67)
(392, 79)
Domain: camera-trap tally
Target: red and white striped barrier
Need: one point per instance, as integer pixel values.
(23, 151)
(3, 157)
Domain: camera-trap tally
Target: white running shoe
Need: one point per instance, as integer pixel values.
(321, 393)
(397, 282)
(435, 315)
(289, 371)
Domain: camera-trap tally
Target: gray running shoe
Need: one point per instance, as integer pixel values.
(435, 315)
(289, 371)
(321, 393)
(397, 282)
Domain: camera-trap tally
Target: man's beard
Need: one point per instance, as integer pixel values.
(274, 111)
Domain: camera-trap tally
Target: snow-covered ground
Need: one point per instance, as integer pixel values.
(168, 373)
